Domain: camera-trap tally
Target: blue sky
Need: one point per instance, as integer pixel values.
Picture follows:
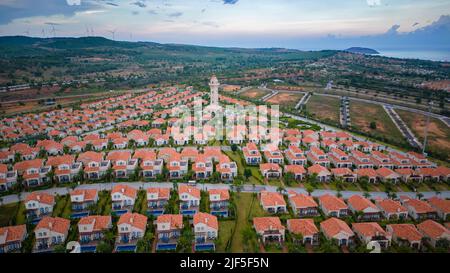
(246, 23)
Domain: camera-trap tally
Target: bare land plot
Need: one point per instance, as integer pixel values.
(438, 132)
(255, 93)
(285, 99)
(363, 114)
(324, 108)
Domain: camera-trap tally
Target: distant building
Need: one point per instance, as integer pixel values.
(214, 86)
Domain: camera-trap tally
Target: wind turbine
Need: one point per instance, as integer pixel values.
(113, 32)
(53, 31)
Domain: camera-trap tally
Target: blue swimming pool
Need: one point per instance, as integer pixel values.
(78, 215)
(155, 212)
(35, 221)
(204, 247)
(119, 212)
(87, 249)
(188, 212)
(162, 247)
(126, 248)
(220, 213)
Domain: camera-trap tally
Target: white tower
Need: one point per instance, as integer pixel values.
(214, 86)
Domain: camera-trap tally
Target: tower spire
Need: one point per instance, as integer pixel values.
(214, 86)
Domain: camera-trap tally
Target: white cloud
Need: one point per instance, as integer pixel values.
(373, 2)
(73, 2)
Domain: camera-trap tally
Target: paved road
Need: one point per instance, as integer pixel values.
(303, 101)
(444, 119)
(269, 96)
(402, 127)
(344, 112)
(245, 188)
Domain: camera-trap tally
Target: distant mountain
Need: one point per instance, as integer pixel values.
(362, 50)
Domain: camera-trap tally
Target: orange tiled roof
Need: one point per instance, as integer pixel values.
(223, 193)
(333, 226)
(360, 203)
(433, 229)
(272, 199)
(134, 219)
(56, 224)
(207, 219)
(305, 227)
(369, 229)
(41, 197)
(331, 202)
(125, 190)
(406, 231)
(267, 223)
(100, 222)
(303, 201)
(13, 233)
(175, 220)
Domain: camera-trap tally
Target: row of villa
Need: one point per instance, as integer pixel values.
(51, 231)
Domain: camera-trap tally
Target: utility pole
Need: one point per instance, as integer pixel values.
(430, 105)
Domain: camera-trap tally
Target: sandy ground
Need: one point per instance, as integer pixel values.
(255, 93)
(285, 98)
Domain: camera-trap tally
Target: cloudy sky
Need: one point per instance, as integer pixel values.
(245, 23)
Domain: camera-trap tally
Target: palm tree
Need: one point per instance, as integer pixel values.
(338, 194)
(419, 195)
(280, 189)
(51, 175)
(366, 195)
(109, 174)
(339, 183)
(309, 189)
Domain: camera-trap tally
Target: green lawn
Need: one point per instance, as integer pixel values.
(7, 213)
(140, 206)
(21, 217)
(225, 231)
(60, 206)
(104, 203)
(275, 182)
(243, 202)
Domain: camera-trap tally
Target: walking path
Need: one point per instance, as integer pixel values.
(13, 198)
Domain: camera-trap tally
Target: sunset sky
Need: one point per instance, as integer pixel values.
(246, 23)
